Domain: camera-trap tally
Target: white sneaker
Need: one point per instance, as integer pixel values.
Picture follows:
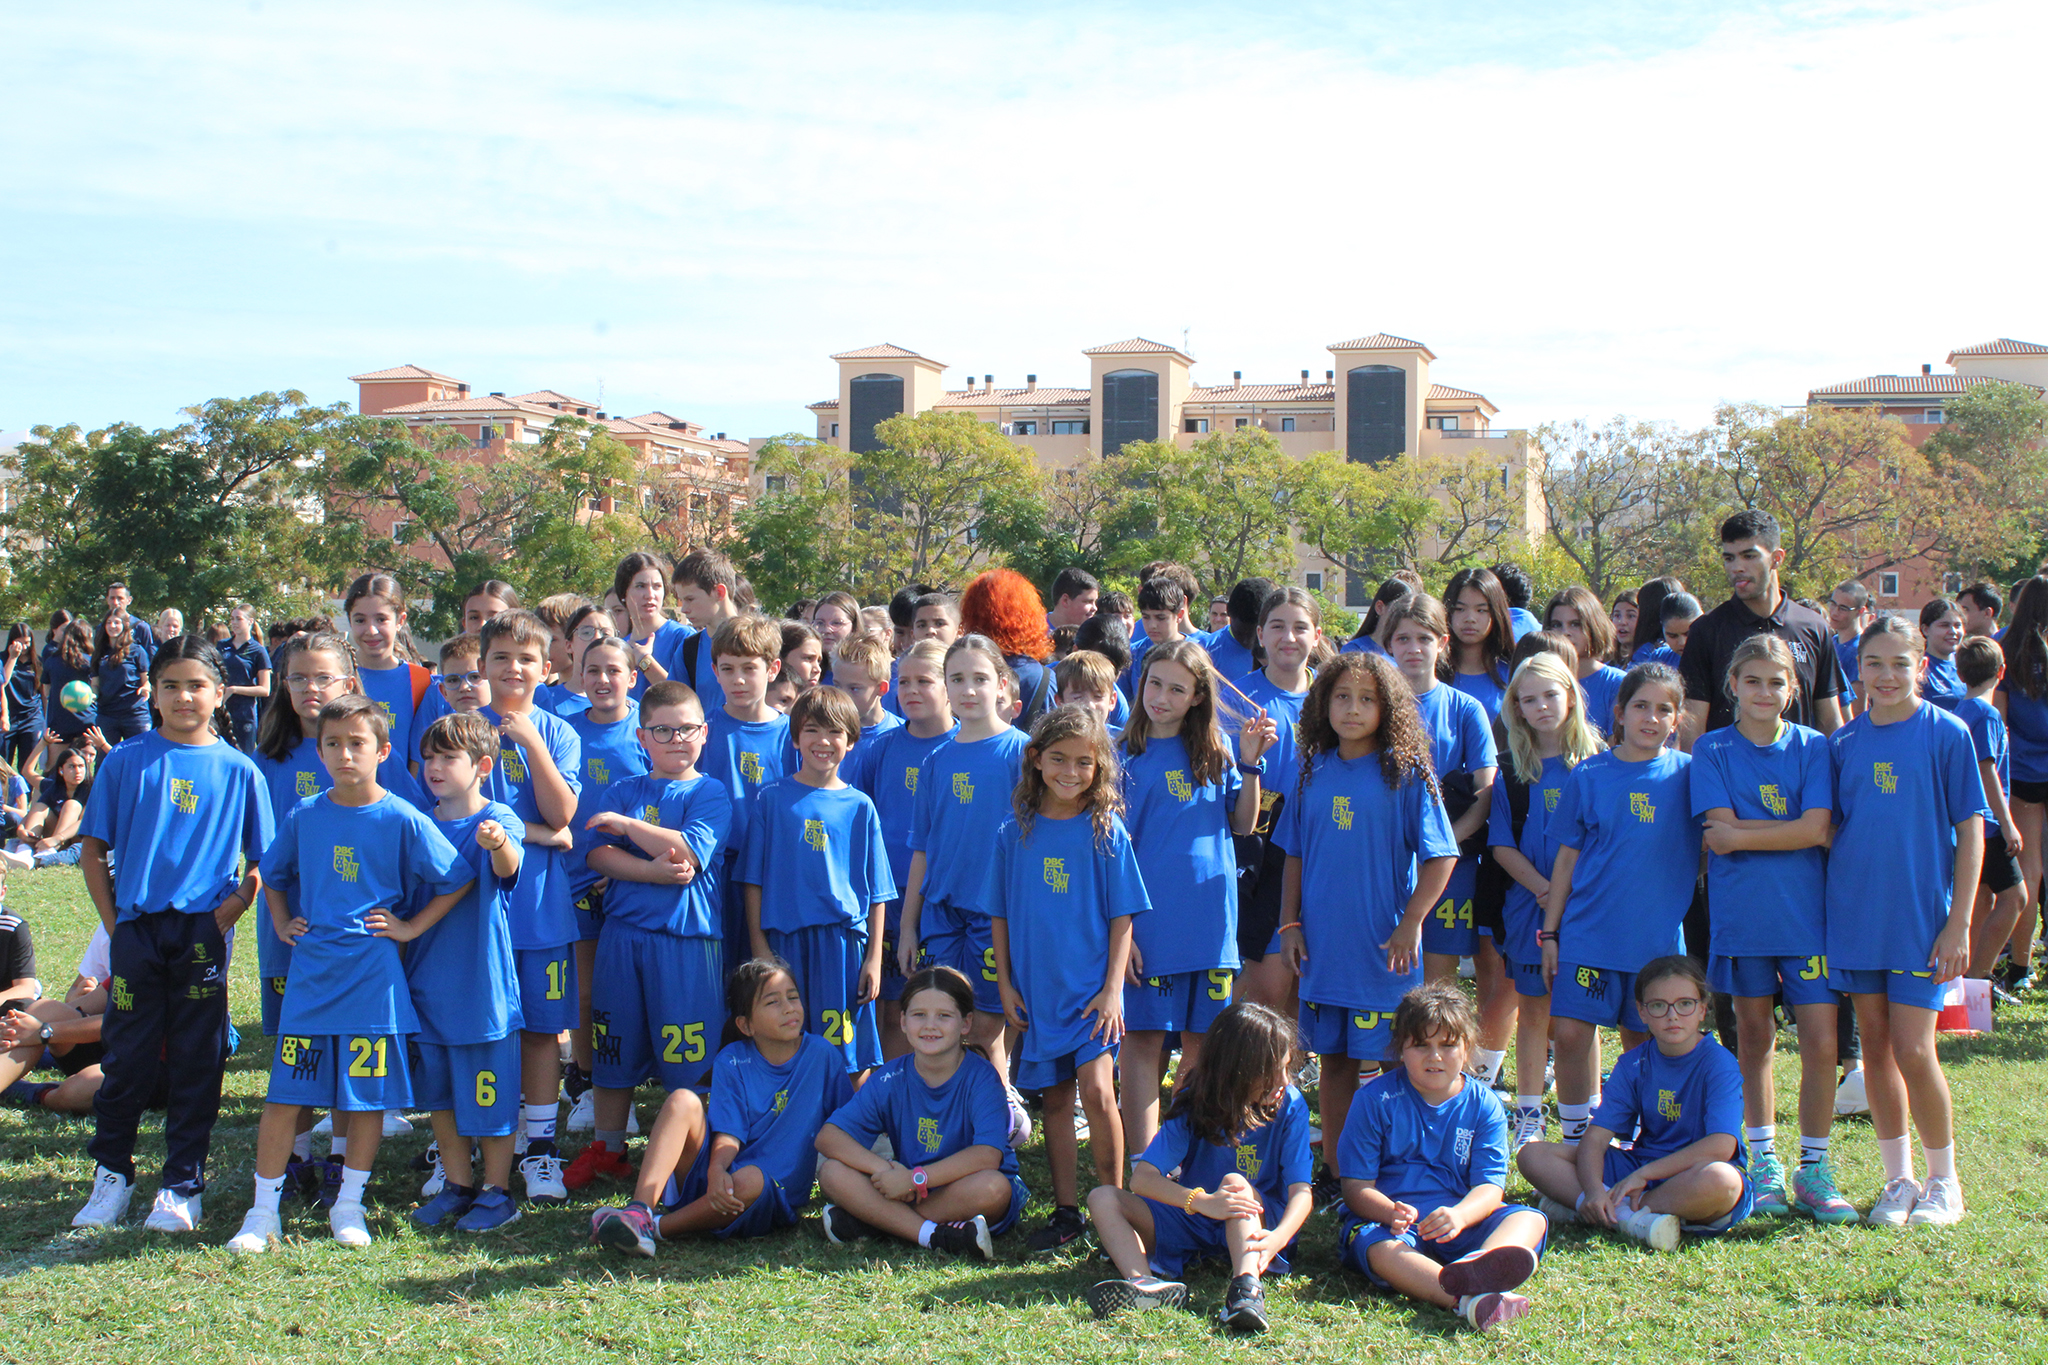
(173, 1212)
(396, 1123)
(1659, 1231)
(111, 1192)
(1020, 1117)
(325, 1126)
(542, 1172)
(583, 1113)
(349, 1228)
(633, 1121)
(1895, 1205)
(1850, 1097)
(1940, 1203)
(1080, 1118)
(1556, 1210)
(1526, 1126)
(260, 1231)
(436, 1179)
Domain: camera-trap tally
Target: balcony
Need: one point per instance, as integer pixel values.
(1470, 434)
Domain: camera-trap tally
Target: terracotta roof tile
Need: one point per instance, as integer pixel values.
(2002, 346)
(1901, 386)
(662, 419)
(1381, 341)
(474, 405)
(1014, 398)
(402, 372)
(824, 405)
(886, 351)
(1263, 393)
(547, 396)
(1137, 346)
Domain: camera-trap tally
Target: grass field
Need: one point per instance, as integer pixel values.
(1775, 1290)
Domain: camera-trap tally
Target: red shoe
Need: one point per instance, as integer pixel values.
(593, 1161)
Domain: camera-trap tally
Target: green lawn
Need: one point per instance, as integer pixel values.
(1774, 1291)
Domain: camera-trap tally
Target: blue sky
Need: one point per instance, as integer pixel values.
(1582, 212)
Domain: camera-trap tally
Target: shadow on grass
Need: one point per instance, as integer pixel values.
(2013, 1040)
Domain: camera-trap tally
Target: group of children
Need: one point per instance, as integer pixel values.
(843, 932)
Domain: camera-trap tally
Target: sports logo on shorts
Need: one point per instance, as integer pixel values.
(963, 789)
(750, 766)
(1248, 1163)
(1340, 811)
(1887, 778)
(118, 992)
(814, 834)
(183, 797)
(345, 862)
(928, 1134)
(1640, 807)
(1668, 1105)
(1592, 982)
(301, 1056)
(1774, 800)
(513, 764)
(1056, 875)
(306, 784)
(600, 771)
(1178, 786)
(604, 1044)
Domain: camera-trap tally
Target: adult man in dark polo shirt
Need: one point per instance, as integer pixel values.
(1751, 555)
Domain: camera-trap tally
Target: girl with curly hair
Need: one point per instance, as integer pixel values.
(1369, 851)
(1002, 605)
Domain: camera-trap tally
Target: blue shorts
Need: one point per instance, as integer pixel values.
(771, 1209)
(1804, 980)
(589, 909)
(1448, 928)
(1596, 995)
(478, 1082)
(657, 1007)
(1018, 1194)
(960, 939)
(349, 1073)
(1917, 989)
(1058, 1070)
(1359, 1237)
(1528, 978)
(826, 960)
(1340, 1031)
(1179, 1238)
(893, 981)
(273, 1004)
(1619, 1163)
(547, 989)
(1185, 1002)
(739, 940)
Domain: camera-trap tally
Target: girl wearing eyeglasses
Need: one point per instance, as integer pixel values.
(1682, 1098)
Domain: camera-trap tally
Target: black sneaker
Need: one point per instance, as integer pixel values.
(1244, 1306)
(842, 1227)
(1066, 1225)
(1326, 1193)
(575, 1080)
(1120, 1296)
(970, 1239)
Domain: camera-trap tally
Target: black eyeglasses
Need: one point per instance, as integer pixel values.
(666, 734)
(1684, 1009)
(470, 679)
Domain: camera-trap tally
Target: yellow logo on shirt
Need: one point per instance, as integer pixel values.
(307, 784)
(1056, 875)
(910, 779)
(1668, 1105)
(1550, 795)
(183, 797)
(1774, 800)
(390, 717)
(750, 766)
(1639, 806)
(780, 1103)
(118, 992)
(1248, 1163)
(928, 1134)
(599, 771)
(651, 815)
(1178, 786)
(513, 764)
(1340, 811)
(814, 834)
(963, 789)
(345, 862)
(1887, 778)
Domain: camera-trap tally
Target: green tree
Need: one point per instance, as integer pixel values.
(937, 498)
(1221, 506)
(798, 535)
(1992, 450)
(1627, 500)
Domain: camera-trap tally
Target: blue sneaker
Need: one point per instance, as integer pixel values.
(329, 1173)
(451, 1203)
(492, 1209)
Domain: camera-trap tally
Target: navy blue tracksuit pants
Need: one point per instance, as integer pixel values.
(165, 1035)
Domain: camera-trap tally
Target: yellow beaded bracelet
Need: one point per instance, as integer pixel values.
(1189, 1207)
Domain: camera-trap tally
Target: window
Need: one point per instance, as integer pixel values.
(1025, 428)
(1130, 408)
(1312, 581)
(1196, 426)
(401, 532)
(1444, 423)
(486, 435)
(1069, 428)
(1287, 424)
(873, 398)
(1951, 584)
(1243, 422)
(1887, 585)
(597, 504)
(835, 431)
(699, 505)
(776, 483)
(1375, 420)
(1932, 416)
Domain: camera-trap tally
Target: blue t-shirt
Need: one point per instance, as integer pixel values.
(743, 757)
(1602, 687)
(1654, 652)
(1639, 858)
(2026, 725)
(1485, 688)
(464, 979)
(176, 816)
(541, 906)
(963, 798)
(1523, 620)
(1059, 887)
(887, 771)
(1273, 1157)
(288, 782)
(611, 753)
(1941, 684)
(1232, 659)
(24, 702)
(928, 1123)
(120, 680)
(1283, 760)
(241, 663)
(1521, 914)
(1460, 734)
(1989, 738)
(775, 1112)
(1900, 791)
(347, 861)
(859, 758)
(703, 677)
(663, 647)
(1845, 657)
(1181, 833)
(700, 808)
(1677, 1100)
(1359, 840)
(818, 857)
(1363, 644)
(1765, 903)
(1427, 1156)
(67, 723)
(391, 689)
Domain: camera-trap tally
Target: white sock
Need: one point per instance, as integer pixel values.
(1941, 1161)
(352, 1183)
(924, 1233)
(1812, 1150)
(1762, 1141)
(1574, 1119)
(338, 1148)
(268, 1193)
(1897, 1155)
(302, 1146)
(1488, 1063)
(540, 1122)
(1528, 1101)
(1593, 1105)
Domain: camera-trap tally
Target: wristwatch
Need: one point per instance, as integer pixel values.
(919, 1182)
(48, 1032)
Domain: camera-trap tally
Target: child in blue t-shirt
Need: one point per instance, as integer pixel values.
(659, 985)
(1575, 613)
(1681, 1097)
(1765, 789)
(772, 1088)
(1902, 874)
(1941, 632)
(860, 669)
(1482, 645)
(465, 987)
(1061, 889)
(1425, 1165)
(1549, 734)
(745, 748)
(1628, 858)
(356, 852)
(951, 1180)
(2001, 897)
(178, 807)
(1369, 849)
(1185, 796)
(374, 608)
(815, 874)
(1290, 624)
(1226, 1175)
